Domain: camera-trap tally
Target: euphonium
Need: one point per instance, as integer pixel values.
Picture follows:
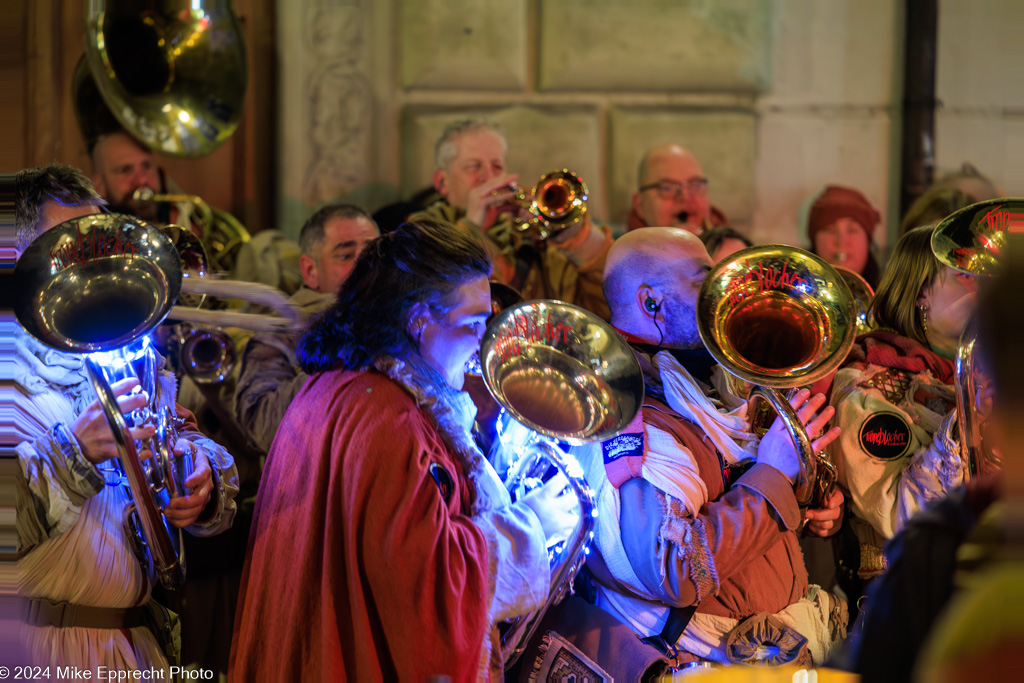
(780, 317)
(558, 201)
(98, 285)
(567, 375)
(973, 241)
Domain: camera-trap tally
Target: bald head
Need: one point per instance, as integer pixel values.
(672, 189)
(651, 280)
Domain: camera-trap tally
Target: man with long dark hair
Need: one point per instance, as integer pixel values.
(383, 546)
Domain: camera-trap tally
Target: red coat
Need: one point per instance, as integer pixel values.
(359, 568)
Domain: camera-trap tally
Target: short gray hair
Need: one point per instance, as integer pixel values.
(445, 150)
(33, 187)
(311, 237)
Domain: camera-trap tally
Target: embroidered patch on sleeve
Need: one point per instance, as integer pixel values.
(444, 481)
(624, 454)
(623, 446)
(885, 436)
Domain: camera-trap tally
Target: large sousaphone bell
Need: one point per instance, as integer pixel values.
(974, 240)
(566, 374)
(96, 285)
(780, 317)
(173, 72)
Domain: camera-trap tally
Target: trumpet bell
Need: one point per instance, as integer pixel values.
(973, 240)
(561, 371)
(173, 73)
(560, 201)
(96, 283)
(776, 316)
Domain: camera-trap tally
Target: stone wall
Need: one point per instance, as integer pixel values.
(776, 97)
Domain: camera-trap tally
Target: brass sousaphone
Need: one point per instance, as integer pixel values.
(780, 317)
(173, 72)
(567, 375)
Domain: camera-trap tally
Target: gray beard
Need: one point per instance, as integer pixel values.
(680, 326)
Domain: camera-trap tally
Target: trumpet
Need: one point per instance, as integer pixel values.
(780, 317)
(558, 201)
(565, 374)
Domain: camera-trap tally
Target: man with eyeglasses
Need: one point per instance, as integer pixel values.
(673, 192)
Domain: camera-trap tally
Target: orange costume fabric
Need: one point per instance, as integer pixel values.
(378, 574)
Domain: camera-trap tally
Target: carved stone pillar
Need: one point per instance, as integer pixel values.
(326, 105)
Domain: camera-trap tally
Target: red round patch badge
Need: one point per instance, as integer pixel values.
(885, 436)
(443, 480)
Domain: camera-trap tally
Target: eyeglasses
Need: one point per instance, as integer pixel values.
(671, 189)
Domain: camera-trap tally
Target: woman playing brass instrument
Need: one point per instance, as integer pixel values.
(893, 398)
(384, 547)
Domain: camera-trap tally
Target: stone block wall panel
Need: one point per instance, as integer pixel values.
(654, 45)
(464, 44)
(722, 140)
(834, 53)
(800, 154)
(776, 97)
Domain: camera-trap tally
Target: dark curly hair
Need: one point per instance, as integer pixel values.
(422, 262)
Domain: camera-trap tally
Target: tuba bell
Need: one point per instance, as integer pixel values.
(98, 285)
(973, 240)
(173, 72)
(565, 374)
(780, 317)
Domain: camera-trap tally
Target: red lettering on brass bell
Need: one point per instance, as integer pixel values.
(767, 279)
(91, 246)
(522, 331)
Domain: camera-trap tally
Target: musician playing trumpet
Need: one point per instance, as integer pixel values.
(87, 595)
(476, 194)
